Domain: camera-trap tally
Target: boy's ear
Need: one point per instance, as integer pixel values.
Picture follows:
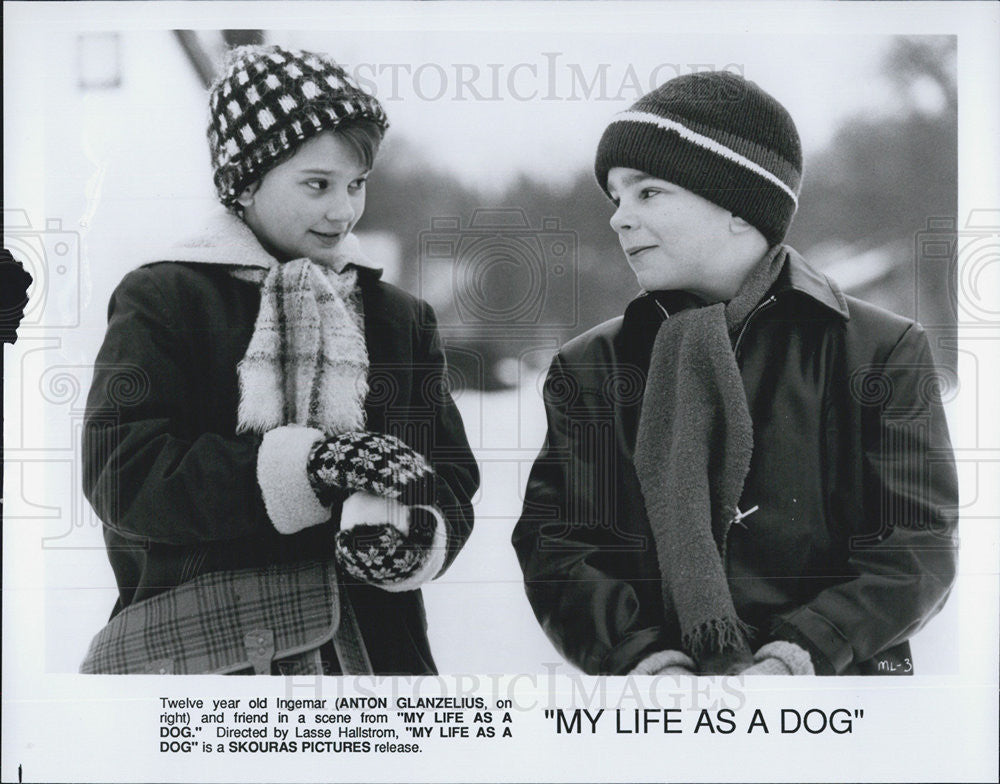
(738, 225)
(246, 197)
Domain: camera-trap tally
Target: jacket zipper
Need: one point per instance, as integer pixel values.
(736, 352)
(762, 306)
(738, 517)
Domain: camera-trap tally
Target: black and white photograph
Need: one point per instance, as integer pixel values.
(513, 385)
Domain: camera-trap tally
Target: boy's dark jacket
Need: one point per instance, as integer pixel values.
(176, 487)
(853, 547)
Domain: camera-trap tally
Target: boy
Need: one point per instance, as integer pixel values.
(275, 372)
(745, 473)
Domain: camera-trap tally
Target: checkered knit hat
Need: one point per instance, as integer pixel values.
(270, 100)
(719, 136)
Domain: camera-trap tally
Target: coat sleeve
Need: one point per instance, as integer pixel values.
(904, 552)
(456, 474)
(590, 614)
(147, 472)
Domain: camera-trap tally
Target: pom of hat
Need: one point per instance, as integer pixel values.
(718, 135)
(268, 101)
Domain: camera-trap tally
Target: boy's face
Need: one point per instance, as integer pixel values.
(673, 239)
(306, 205)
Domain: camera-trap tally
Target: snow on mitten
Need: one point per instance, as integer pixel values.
(384, 543)
(374, 463)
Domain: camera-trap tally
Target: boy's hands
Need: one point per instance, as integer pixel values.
(666, 663)
(775, 658)
(780, 658)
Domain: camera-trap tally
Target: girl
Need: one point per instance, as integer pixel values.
(288, 413)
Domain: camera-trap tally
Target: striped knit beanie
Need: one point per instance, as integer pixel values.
(719, 136)
(267, 102)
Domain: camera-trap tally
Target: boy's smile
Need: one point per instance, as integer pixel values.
(636, 250)
(673, 238)
(306, 205)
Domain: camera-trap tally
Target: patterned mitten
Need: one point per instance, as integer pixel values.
(665, 663)
(373, 463)
(780, 658)
(384, 543)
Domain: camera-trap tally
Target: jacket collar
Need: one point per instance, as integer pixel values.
(227, 240)
(797, 275)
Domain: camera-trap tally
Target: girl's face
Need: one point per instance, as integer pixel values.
(306, 205)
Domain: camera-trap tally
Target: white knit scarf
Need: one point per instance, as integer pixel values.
(307, 360)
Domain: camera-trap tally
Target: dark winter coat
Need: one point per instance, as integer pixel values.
(853, 546)
(175, 485)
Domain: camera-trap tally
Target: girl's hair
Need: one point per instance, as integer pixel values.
(364, 137)
(269, 101)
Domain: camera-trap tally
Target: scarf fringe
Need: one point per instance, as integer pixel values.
(261, 399)
(717, 635)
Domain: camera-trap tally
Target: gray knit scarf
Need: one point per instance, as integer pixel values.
(692, 455)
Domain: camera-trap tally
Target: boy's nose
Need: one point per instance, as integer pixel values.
(622, 220)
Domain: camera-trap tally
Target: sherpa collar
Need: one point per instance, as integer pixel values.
(226, 239)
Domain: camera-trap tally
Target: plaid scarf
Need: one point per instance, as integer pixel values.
(307, 362)
(692, 455)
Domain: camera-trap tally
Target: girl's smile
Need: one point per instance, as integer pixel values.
(306, 205)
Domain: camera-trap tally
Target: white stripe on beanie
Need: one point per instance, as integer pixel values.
(705, 142)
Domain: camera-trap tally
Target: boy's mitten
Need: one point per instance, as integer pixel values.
(665, 663)
(373, 463)
(780, 658)
(384, 543)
